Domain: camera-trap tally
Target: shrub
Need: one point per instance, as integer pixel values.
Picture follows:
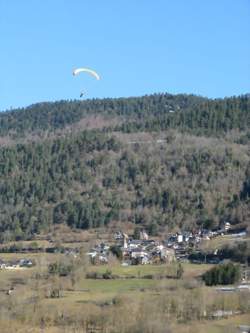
(60, 268)
(222, 274)
(116, 251)
(179, 271)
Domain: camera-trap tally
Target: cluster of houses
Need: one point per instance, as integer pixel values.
(99, 253)
(133, 251)
(186, 244)
(179, 246)
(181, 243)
(144, 250)
(16, 264)
(195, 237)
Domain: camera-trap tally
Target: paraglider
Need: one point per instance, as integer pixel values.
(87, 70)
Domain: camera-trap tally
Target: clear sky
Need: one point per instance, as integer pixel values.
(137, 46)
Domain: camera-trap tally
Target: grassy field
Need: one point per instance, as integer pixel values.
(49, 257)
(190, 270)
(123, 298)
(221, 241)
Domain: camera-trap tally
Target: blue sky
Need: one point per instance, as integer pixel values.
(137, 46)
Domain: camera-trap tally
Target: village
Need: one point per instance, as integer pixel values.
(183, 247)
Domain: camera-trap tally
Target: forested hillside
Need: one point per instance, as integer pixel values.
(155, 112)
(167, 162)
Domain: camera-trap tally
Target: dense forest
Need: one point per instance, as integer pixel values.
(156, 112)
(167, 162)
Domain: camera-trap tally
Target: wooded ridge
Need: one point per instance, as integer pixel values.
(167, 161)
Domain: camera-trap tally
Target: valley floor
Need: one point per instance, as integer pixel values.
(138, 299)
